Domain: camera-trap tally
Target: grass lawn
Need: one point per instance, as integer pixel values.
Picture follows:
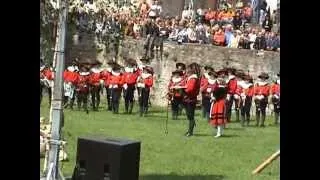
(173, 156)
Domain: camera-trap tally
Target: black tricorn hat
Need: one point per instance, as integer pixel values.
(263, 76)
(278, 74)
(145, 59)
(131, 62)
(208, 68)
(177, 72)
(232, 70)
(220, 93)
(183, 66)
(116, 67)
(212, 73)
(149, 69)
(222, 72)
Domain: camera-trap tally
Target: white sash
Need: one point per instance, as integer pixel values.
(68, 89)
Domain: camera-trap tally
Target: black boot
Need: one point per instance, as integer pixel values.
(242, 121)
(263, 118)
(276, 118)
(141, 111)
(191, 127)
(130, 107)
(257, 118)
(237, 115)
(126, 107)
(248, 120)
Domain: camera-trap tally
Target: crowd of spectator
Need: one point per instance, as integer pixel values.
(224, 27)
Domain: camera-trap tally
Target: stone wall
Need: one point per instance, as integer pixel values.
(217, 57)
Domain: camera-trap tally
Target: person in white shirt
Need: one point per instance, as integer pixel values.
(155, 10)
(252, 38)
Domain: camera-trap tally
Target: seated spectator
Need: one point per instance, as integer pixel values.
(219, 38)
(272, 42)
(260, 42)
(174, 33)
(247, 11)
(191, 33)
(210, 15)
(252, 38)
(237, 22)
(244, 41)
(267, 24)
(228, 34)
(200, 33)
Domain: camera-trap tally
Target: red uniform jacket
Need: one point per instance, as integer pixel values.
(210, 88)
(94, 79)
(72, 77)
(177, 92)
(130, 78)
(192, 90)
(262, 90)
(239, 90)
(116, 81)
(232, 86)
(47, 73)
(203, 84)
(250, 91)
(275, 89)
(147, 81)
(105, 75)
(218, 113)
(83, 83)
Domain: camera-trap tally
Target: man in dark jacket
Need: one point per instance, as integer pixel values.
(237, 22)
(267, 24)
(260, 43)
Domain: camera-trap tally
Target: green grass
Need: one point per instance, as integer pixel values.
(173, 156)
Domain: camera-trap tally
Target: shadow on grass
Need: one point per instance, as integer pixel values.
(229, 135)
(201, 134)
(180, 177)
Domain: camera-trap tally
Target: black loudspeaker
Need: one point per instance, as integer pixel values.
(107, 159)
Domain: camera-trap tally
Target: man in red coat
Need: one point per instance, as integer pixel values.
(144, 83)
(115, 85)
(218, 117)
(181, 67)
(231, 87)
(246, 99)
(203, 89)
(130, 79)
(105, 76)
(82, 88)
(95, 86)
(275, 92)
(261, 94)
(175, 87)
(47, 76)
(71, 77)
(191, 91)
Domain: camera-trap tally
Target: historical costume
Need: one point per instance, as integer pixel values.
(218, 117)
(232, 87)
(47, 76)
(71, 77)
(275, 92)
(176, 91)
(130, 78)
(246, 99)
(207, 93)
(105, 77)
(203, 89)
(144, 83)
(181, 67)
(82, 89)
(115, 85)
(95, 87)
(261, 94)
(191, 92)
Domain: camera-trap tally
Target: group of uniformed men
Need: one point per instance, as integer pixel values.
(219, 90)
(80, 80)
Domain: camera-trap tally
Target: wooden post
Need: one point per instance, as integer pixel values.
(266, 162)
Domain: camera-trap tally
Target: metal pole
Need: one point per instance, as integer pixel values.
(57, 93)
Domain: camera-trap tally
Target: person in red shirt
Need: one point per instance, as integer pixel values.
(191, 92)
(105, 76)
(82, 88)
(71, 77)
(261, 94)
(231, 88)
(41, 82)
(203, 89)
(182, 67)
(218, 117)
(176, 92)
(95, 86)
(115, 85)
(246, 100)
(275, 92)
(48, 76)
(210, 89)
(144, 83)
(130, 79)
